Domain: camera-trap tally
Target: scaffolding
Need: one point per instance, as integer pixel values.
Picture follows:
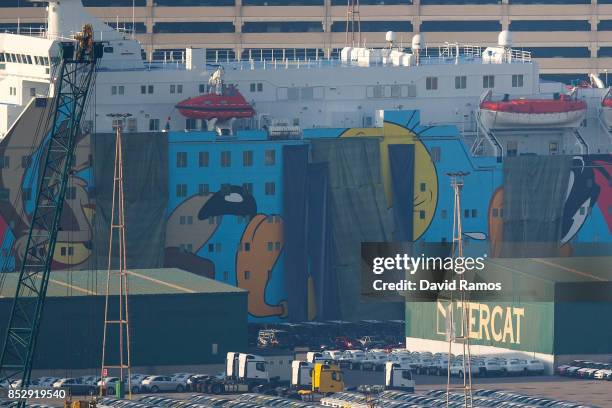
(118, 318)
(457, 182)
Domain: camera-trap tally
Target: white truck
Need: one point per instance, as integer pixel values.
(245, 372)
(398, 377)
(301, 375)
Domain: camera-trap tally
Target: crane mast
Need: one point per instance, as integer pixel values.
(75, 74)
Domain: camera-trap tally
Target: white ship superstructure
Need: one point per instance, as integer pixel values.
(447, 84)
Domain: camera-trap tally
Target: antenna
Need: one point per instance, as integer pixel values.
(353, 19)
(120, 275)
(133, 19)
(457, 182)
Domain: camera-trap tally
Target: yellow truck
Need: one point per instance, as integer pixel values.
(326, 379)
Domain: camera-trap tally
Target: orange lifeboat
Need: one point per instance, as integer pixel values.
(226, 105)
(559, 112)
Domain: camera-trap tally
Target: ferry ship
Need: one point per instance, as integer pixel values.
(447, 84)
(268, 174)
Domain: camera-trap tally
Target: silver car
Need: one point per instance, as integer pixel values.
(156, 383)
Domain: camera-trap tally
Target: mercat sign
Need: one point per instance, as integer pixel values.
(484, 322)
(525, 326)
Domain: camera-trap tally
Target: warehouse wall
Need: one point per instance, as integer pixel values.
(166, 329)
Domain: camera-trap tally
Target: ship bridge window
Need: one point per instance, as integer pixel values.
(114, 3)
(109, 50)
(459, 26)
(375, 26)
(559, 52)
(517, 81)
(444, 2)
(604, 52)
(220, 54)
(531, 2)
(282, 27)
(375, 2)
(138, 27)
(431, 83)
(550, 25)
(605, 25)
(193, 27)
(154, 125)
(488, 81)
(283, 2)
(184, 3)
(168, 54)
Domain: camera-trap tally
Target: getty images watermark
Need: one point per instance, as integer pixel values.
(428, 267)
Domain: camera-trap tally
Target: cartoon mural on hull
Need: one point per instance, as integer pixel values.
(22, 154)
(191, 229)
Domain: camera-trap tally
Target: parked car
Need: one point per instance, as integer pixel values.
(351, 359)
(513, 366)
(109, 384)
(490, 367)
(604, 373)
(74, 386)
(333, 355)
(156, 383)
(535, 367)
(136, 382)
(457, 368)
(572, 371)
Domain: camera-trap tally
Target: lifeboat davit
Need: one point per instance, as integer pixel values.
(606, 109)
(226, 105)
(559, 112)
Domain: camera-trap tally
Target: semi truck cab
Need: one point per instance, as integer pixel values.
(301, 375)
(398, 377)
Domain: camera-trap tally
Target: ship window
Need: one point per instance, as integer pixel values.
(270, 157)
(193, 27)
(151, 89)
(4, 162)
(247, 275)
(108, 50)
(179, 88)
(461, 26)
(396, 91)
(202, 88)
(270, 188)
(143, 89)
(495, 213)
(25, 161)
(172, 89)
(181, 159)
(190, 124)
(203, 159)
(474, 213)
(121, 89)
(277, 246)
(253, 87)
(132, 125)
(488, 81)
(226, 158)
(553, 148)
(181, 190)
(443, 214)
(153, 125)
(27, 194)
(270, 246)
(466, 213)
(559, 52)
(517, 81)
(259, 87)
(512, 149)
(203, 189)
(550, 25)
(282, 27)
(436, 154)
(217, 247)
(211, 247)
(461, 82)
(71, 193)
(19, 60)
(423, 186)
(113, 90)
(374, 26)
(5, 194)
(431, 83)
(422, 214)
(247, 158)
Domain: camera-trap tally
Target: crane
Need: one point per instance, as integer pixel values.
(75, 73)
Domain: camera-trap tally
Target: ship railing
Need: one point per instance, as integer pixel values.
(515, 55)
(27, 31)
